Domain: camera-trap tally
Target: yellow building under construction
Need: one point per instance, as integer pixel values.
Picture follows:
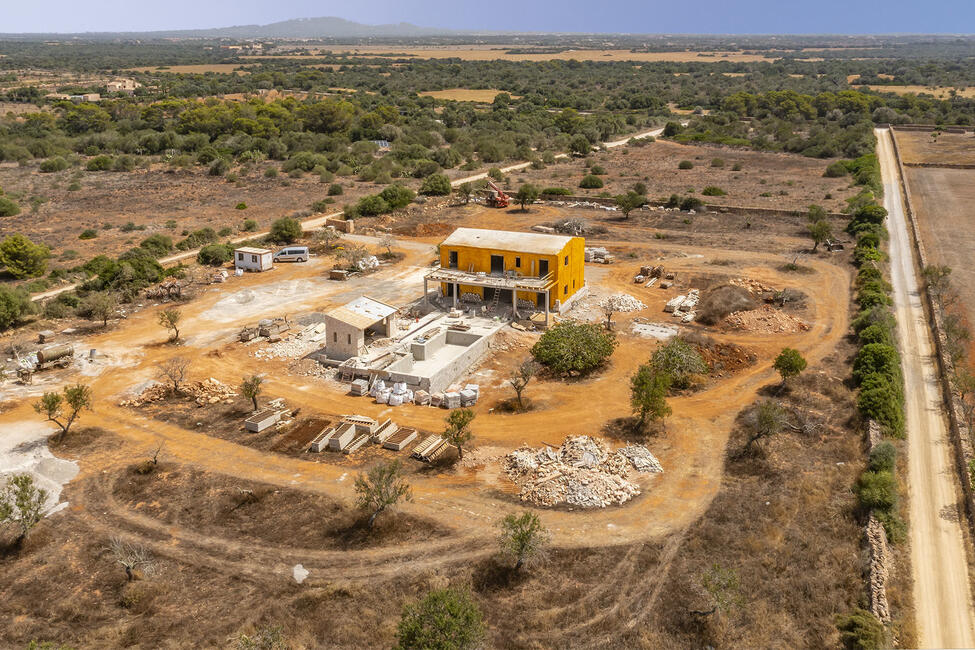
(515, 270)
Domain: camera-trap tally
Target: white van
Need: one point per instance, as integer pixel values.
(292, 254)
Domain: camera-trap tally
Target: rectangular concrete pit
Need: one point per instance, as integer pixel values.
(436, 363)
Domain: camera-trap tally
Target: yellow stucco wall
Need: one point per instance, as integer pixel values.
(568, 278)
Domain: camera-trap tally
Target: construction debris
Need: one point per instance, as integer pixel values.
(766, 319)
(305, 341)
(580, 473)
(753, 286)
(208, 391)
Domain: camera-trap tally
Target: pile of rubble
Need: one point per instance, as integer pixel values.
(752, 286)
(307, 340)
(766, 320)
(623, 303)
(208, 391)
(579, 473)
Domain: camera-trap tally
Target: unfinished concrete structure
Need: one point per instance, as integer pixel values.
(524, 270)
(346, 326)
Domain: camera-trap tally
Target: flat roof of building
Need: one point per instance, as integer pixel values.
(507, 240)
(362, 312)
(252, 250)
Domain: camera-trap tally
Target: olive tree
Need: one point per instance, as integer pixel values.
(789, 364)
(458, 431)
(381, 488)
(526, 195)
(520, 378)
(819, 232)
(445, 619)
(174, 371)
(680, 360)
(250, 388)
(132, 558)
(52, 406)
(648, 394)
(22, 503)
(522, 538)
(100, 305)
(170, 318)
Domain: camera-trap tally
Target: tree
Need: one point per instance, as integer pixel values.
(648, 394)
(446, 619)
(51, 406)
(610, 305)
(382, 488)
(573, 347)
(132, 558)
(22, 257)
(591, 182)
(580, 145)
(8, 208)
(522, 538)
(629, 202)
(816, 213)
(526, 195)
(465, 189)
(215, 254)
(521, 376)
(458, 432)
(285, 230)
(328, 236)
(767, 419)
(820, 231)
(250, 388)
(174, 371)
(387, 241)
(354, 254)
(435, 185)
(671, 129)
(169, 318)
(789, 364)
(100, 305)
(22, 503)
(679, 360)
(15, 303)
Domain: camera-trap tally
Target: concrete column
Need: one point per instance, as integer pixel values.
(546, 307)
(426, 297)
(514, 304)
(456, 288)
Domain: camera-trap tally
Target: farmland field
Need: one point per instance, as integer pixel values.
(465, 95)
(946, 148)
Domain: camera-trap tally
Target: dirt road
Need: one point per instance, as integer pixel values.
(942, 597)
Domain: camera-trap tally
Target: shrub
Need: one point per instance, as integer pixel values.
(249, 225)
(444, 619)
(215, 254)
(598, 170)
(877, 491)
(679, 360)
(225, 232)
(157, 245)
(198, 238)
(321, 206)
(370, 206)
(15, 303)
(590, 182)
(435, 185)
(219, 167)
(685, 164)
(23, 258)
(712, 190)
(882, 400)
(74, 186)
(123, 164)
(883, 457)
(99, 164)
(876, 334)
(671, 129)
(572, 347)
(285, 230)
(271, 172)
(876, 358)
(717, 162)
(88, 233)
(54, 165)
(689, 203)
(556, 191)
(736, 167)
(240, 206)
(836, 170)
(335, 189)
(640, 188)
(397, 196)
(496, 174)
(861, 630)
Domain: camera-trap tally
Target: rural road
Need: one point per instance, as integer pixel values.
(942, 597)
(319, 221)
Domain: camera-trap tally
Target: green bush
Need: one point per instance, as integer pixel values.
(590, 182)
(836, 169)
(689, 203)
(712, 190)
(240, 206)
(219, 167)
(335, 189)
(15, 303)
(883, 457)
(249, 225)
(685, 164)
(671, 129)
(226, 231)
(882, 400)
(679, 360)
(877, 491)
(271, 172)
(123, 164)
(321, 206)
(435, 185)
(397, 196)
(571, 347)
(99, 164)
(556, 191)
(717, 162)
(370, 206)
(598, 170)
(875, 334)
(215, 254)
(198, 238)
(54, 165)
(285, 230)
(158, 245)
(23, 258)
(446, 619)
(88, 233)
(872, 298)
(875, 358)
(74, 186)
(861, 630)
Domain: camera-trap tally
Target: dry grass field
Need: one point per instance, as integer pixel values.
(940, 92)
(219, 68)
(485, 96)
(945, 148)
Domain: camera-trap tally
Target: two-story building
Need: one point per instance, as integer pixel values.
(504, 267)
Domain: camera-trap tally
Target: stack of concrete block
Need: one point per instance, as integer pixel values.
(451, 400)
(421, 397)
(436, 399)
(359, 387)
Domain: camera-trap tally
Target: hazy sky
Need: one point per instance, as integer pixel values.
(634, 16)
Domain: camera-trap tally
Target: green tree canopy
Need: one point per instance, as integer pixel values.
(22, 257)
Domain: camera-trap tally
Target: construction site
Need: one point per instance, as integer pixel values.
(362, 366)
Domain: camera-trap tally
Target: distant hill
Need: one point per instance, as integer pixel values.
(324, 27)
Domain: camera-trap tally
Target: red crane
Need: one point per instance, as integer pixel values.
(496, 197)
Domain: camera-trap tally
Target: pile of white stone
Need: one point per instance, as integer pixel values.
(305, 341)
(582, 472)
(623, 303)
